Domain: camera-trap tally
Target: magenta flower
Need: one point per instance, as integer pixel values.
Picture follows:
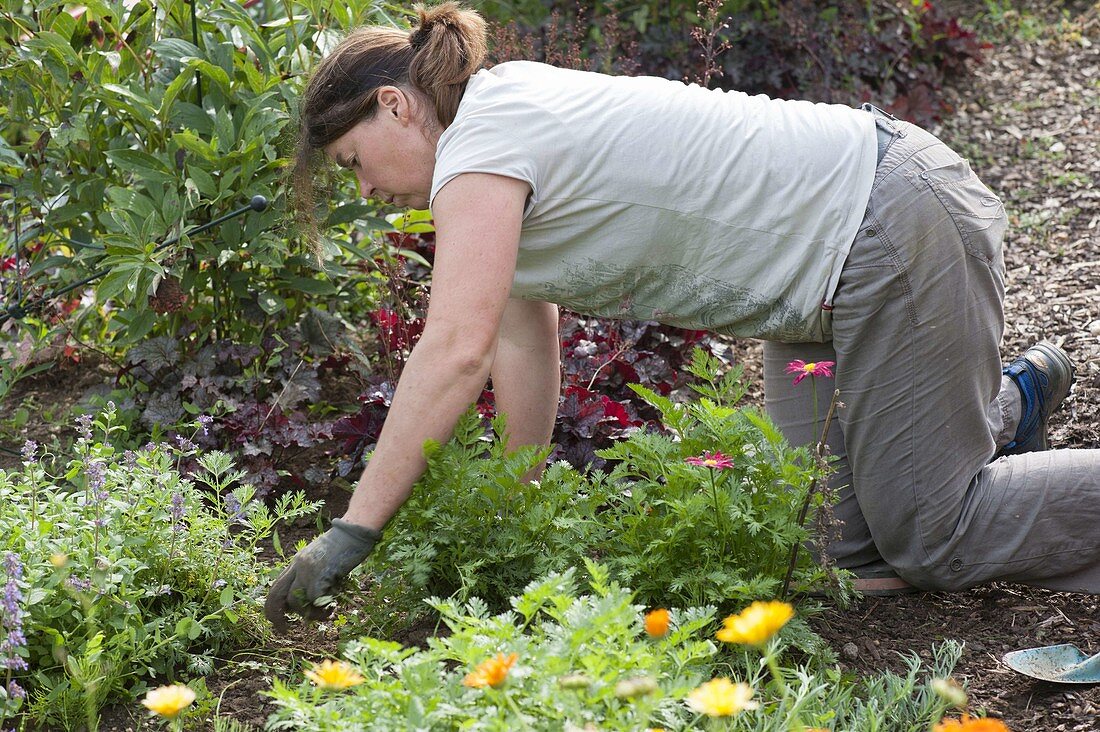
(802, 369)
(713, 460)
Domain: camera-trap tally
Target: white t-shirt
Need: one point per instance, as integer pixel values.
(655, 200)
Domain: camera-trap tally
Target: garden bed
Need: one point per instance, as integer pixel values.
(1026, 120)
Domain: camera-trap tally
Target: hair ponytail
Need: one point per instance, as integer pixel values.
(450, 45)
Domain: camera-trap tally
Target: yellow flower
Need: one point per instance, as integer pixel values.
(969, 724)
(656, 623)
(169, 701)
(492, 672)
(756, 623)
(334, 675)
(721, 698)
(59, 560)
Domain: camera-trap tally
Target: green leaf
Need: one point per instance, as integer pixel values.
(118, 281)
(144, 106)
(193, 117)
(144, 165)
(48, 41)
(270, 303)
(310, 285)
(349, 212)
(192, 142)
(214, 73)
(172, 92)
(184, 626)
(176, 49)
(203, 181)
(416, 221)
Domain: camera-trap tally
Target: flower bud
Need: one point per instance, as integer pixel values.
(574, 681)
(949, 690)
(640, 686)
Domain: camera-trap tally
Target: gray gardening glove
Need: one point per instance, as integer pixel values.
(316, 571)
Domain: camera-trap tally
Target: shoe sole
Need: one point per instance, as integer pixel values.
(883, 586)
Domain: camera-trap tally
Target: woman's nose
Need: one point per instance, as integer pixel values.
(365, 189)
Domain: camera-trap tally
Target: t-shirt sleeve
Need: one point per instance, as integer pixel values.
(483, 145)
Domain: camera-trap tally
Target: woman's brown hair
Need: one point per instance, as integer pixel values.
(435, 59)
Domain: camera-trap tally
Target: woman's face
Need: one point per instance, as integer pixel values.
(392, 154)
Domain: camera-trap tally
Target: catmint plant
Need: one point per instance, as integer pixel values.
(13, 643)
(146, 569)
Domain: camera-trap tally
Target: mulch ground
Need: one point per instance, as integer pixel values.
(1028, 120)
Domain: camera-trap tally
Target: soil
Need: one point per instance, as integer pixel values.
(1027, 118)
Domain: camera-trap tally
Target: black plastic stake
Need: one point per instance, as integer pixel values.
(195, 40)
(19, 310)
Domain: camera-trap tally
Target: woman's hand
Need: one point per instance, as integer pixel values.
(316, 572)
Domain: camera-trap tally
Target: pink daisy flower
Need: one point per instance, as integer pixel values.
(802, 369)
(713, 460)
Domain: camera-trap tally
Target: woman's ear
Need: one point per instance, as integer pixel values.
(393, 101)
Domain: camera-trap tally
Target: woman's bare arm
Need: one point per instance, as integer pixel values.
(478, 219)
(527, 372)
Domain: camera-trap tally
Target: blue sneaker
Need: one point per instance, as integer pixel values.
(1043, 375)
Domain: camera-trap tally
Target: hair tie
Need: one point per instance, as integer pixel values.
(419, 37)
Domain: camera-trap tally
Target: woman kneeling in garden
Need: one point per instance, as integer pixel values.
(833, 233)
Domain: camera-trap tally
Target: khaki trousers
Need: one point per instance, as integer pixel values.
(917, 322)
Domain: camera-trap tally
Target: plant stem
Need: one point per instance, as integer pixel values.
(512, 705)
(777, 673)
(717, 511)
(780, 682)
(819, 451)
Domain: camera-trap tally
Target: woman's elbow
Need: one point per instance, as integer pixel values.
(461, 353)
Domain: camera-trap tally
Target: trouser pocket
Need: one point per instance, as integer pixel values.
(978, 215)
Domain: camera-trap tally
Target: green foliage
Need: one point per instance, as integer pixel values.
(583, 662)
(123, 129)
(473, 525)
(680, 534)
(705, 534)
(133, 571)
(572, 653)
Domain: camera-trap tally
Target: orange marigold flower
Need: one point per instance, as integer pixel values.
(970, 724)
(756, 623)
(492, 672)
(656, 623)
